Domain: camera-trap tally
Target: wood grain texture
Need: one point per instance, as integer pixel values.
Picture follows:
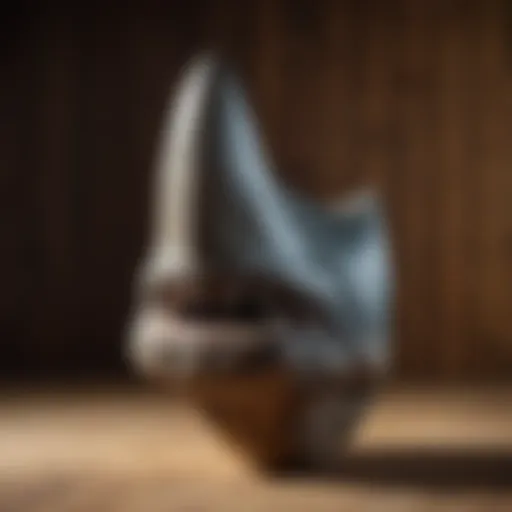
(411, 95)
(413, 117)
(495, 180)
(124, 450)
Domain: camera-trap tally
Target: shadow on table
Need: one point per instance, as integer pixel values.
(427, 468)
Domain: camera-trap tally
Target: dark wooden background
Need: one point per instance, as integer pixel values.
(413, 94)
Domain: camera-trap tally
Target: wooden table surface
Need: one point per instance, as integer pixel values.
(123, 450)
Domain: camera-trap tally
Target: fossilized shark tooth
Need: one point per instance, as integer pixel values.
(222, 210)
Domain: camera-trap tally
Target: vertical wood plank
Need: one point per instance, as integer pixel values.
(57, 138)
(452, 188)
(413, 109)
(20, 258)
(340, 96)
(494, 354)
(435, 196)
(505, 12)
(27, 222)
(268, 61)
(474, 222)
(381, 137)
(300, 138)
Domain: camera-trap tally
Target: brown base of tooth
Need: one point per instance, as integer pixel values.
(254, 412)
(262, 414)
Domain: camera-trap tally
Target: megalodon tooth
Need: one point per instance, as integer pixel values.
(243, 272)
